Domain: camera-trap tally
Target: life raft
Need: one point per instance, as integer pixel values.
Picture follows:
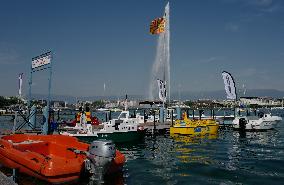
(53, 158)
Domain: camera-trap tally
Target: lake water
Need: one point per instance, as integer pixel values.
(253, 158)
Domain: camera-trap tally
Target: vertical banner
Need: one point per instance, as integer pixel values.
(230, 87)
(162, 90)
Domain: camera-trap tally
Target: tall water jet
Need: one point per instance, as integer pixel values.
(161, 65)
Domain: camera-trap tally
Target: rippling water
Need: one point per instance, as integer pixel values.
(226, 159)
(229, 158)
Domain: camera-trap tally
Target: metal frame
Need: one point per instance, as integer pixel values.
(37, 69)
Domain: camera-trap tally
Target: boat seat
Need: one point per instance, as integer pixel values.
(46, 149)
(38, 147)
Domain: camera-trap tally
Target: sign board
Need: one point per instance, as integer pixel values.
(41, 60)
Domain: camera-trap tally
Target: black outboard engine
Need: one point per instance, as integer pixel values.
(242, 124)
(100, 155)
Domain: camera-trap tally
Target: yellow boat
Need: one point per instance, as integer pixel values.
(188, 126)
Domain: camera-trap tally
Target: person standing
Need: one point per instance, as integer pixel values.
(79, 115)
(88, 115)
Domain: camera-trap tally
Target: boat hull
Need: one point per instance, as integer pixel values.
(195, 130)
(117, 137)
(254, 124)
(49, 158)
(266, 125)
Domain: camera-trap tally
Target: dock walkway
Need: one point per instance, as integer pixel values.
(156, 127)
(4, 180)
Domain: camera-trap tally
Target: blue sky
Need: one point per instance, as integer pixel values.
(108, 41)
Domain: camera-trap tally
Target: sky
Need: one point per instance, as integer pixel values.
(97, 42)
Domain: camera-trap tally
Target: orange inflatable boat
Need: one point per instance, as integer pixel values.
(57, 158)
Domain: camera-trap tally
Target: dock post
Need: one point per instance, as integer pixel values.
(162, 115)
(144, 116)
(172, 116)
(187, 113)
(58, 117)
(32, 119)
(109, 117)
(178, 112)
(45, 120)
(15, 122)
(154, 130)
(15, 175)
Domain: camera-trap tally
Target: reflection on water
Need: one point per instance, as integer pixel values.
(186, 150)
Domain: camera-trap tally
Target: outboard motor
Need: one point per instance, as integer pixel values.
(100, 155)
(242, 124)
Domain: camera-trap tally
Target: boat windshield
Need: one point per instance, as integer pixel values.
(122, 115)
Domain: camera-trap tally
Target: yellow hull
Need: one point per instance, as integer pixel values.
(196, 130)
(194, 127)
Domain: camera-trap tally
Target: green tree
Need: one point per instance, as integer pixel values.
(9, 101)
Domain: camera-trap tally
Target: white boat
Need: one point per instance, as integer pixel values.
(147, 119)
(260, 122)
(122, 129)
(269, 117)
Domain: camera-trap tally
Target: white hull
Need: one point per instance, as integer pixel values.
(123, 124)
(269, 117)
(255, 124)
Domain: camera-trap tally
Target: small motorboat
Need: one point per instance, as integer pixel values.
(261, 122)
(59, 159)
(188, 126)
(120, 130)
(269, 117)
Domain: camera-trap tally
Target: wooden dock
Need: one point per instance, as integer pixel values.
(156, 127)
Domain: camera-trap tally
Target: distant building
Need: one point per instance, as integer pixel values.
(58, 104)
(261, 101)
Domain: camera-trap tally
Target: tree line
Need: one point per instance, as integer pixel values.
(5, 102)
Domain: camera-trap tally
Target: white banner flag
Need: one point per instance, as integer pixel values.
(162, 90)
(20, 83)
(230, 87)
